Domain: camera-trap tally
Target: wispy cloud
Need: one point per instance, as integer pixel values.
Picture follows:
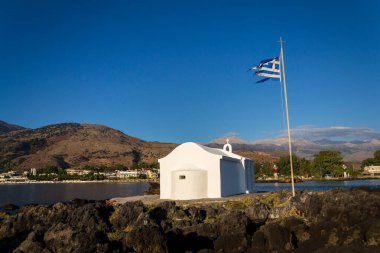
(309, 132)
(231, 134)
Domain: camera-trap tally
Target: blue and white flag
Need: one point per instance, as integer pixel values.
(270, 69)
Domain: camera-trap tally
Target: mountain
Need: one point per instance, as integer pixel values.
(352, 151)
(261, 157)
(7, 128)
(76, 145)
(72, 145)
(232, 139)
(241, 147)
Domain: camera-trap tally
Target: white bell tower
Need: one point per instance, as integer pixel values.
(227, 147)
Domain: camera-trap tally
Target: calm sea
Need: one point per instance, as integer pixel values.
(21, 194)
(317, 185)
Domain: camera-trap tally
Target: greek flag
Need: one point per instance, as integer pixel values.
(269, 68)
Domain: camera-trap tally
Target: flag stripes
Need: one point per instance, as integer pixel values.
(269, 68)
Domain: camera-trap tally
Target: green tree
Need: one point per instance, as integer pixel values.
(372, 161)
(88, 167)
(376, 155)
(136, 157)
(283, 165)
(368, 162)
(263, 169)
(154, 166)
(328, 162)
(119, 167)
(142, 176)
(305, 167)
(353, 173)
(47, 170)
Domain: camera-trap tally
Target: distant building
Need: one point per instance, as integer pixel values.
(12, 176)
(111, 175)
(151, 174)
(275, 171)
(193, 171)
(33, 171)
(12, 173)
(346, 174)
(77, 172)
(124, 174)
(372, 170)
(73, 172)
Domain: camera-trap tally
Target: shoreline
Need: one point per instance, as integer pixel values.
(300, 180)
(281, 181)
(78, 181)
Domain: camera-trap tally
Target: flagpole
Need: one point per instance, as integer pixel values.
(287, 115)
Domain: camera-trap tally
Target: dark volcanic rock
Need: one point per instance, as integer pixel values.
(65, 238)
(126, 214)
(231, 243)
(332, 221)
(257, 212)
(61, 227)
(233, 222)
(178, 241)
(161, 211)
(33, 243)
(147, 238)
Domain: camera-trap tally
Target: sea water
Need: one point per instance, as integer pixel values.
(21, 194)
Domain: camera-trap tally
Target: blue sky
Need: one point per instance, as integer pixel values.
(176, 70)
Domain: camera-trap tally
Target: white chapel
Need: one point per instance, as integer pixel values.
(193, 171)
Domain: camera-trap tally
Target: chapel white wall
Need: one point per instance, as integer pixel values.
(190, 156)
(193, 186)
(232, 177)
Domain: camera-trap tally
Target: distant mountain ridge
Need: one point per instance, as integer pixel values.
(7, 128)
(352, 151)
(75, 145)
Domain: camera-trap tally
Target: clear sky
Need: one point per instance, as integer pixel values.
(176, 70)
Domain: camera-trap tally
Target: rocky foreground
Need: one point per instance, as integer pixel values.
(331, 221)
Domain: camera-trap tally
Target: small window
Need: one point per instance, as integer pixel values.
(181, 177)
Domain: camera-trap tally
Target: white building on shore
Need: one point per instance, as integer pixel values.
(372, 170)
(193, 171)
(33, 171)
(78, 172)
(125, 174)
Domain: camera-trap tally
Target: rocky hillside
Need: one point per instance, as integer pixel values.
(262, 157)
(7, 128)
(75, 145)
(71, 145)
(332, 221)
